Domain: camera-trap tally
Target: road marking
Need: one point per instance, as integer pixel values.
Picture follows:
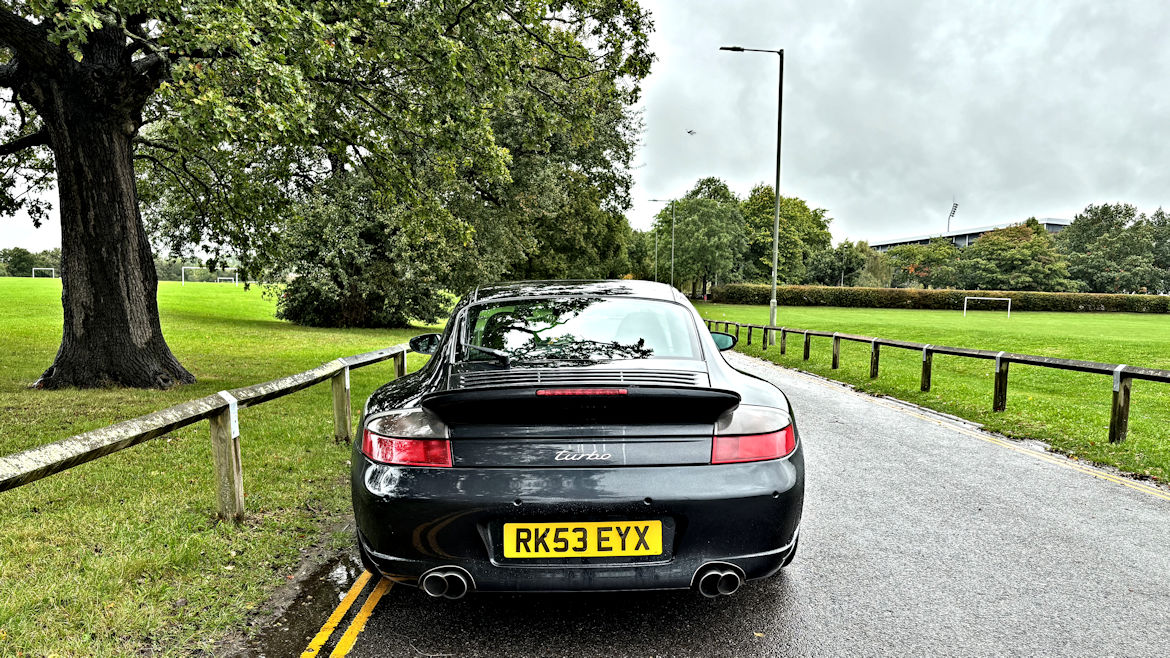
(1059, 460)
(345, 644)
(338, 614)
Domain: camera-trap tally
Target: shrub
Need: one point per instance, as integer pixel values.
(755, 293)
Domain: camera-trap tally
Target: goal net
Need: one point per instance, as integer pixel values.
(52, 271)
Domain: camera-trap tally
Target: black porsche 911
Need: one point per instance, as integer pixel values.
(577, 435)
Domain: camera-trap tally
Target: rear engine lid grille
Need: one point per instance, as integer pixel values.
(567, 376)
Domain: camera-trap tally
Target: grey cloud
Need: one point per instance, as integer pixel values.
(1016, 108)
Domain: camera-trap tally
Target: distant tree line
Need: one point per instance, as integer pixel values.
(721, 238)
(18, 261)
(1108, 248)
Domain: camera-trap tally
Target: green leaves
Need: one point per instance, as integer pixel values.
(440, 105)
(1113, 248)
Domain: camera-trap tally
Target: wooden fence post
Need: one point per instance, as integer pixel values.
(807, 345)
(927, 357)
(399, 365)
(999, 400)
(342, 414)
(225, 453)
(783, 339)
(836, 351)
(737, 332)
(749, 334)
(875, 350)
(1119, 415)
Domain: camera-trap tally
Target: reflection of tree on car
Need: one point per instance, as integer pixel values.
(577, 329)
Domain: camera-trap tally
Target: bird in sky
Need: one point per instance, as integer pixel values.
(690, 132)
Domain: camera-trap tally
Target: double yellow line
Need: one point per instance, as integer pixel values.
(345, 644)
(908, 409)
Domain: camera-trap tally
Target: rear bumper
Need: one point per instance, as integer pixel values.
(411, 520)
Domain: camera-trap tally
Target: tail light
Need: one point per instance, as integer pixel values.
(749, 433)
(413, 437)
(552, 392)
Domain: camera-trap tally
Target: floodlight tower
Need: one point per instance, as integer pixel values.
(954, 207)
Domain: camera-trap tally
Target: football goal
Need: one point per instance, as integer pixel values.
(52, 271)
(234, 278)
(989, 299)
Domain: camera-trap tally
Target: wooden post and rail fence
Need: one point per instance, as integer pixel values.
(1122, 374)
(222, 413)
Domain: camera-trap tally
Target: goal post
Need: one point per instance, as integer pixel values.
(52, 271)
(989, 299)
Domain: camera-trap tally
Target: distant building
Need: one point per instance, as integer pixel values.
(964, 237)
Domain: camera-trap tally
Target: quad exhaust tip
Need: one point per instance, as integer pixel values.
(717, 579)
(446, 582)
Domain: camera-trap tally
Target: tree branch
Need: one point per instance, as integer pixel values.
(29, 41)
(459, 17)
(39, 138)
(9, 77)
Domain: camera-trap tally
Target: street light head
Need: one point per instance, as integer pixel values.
(734, 49)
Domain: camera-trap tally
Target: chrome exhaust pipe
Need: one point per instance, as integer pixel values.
(434, 584)
(729, 582)
(456, 585)
(717, 579)
(709, 584)
(446, 582)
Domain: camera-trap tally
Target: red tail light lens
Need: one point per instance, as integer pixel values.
(406, 452)
(409, 438)
(751, 433)
(753, 447)
(581, 391)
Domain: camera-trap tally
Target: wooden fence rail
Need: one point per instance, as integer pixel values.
(221, 410)
(1122, 374)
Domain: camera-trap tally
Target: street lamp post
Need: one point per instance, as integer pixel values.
(776, 219)
(671, 240)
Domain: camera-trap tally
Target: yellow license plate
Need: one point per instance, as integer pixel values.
(583, 539)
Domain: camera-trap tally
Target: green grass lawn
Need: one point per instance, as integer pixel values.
(1068, 410)
(123, 555)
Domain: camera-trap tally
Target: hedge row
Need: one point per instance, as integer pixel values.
(755, 293)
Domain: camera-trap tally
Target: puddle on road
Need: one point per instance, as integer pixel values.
(289, 634)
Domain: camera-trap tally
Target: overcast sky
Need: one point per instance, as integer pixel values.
(891, 107)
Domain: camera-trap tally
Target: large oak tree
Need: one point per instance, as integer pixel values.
(232, 107)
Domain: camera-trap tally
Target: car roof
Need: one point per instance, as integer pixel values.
(586, 288)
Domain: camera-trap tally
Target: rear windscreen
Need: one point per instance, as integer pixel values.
(582, 329)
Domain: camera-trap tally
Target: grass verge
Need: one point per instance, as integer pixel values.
(123, 555)
(1068, 410)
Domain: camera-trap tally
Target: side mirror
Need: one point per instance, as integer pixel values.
(724, 341)
(425, 343)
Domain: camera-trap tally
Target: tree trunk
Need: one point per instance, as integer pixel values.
(111, 332)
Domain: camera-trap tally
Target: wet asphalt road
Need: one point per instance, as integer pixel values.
(921, 537)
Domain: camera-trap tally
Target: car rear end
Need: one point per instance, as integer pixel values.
(567, 479)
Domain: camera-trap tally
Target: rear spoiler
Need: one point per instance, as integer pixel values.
(586, 404)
